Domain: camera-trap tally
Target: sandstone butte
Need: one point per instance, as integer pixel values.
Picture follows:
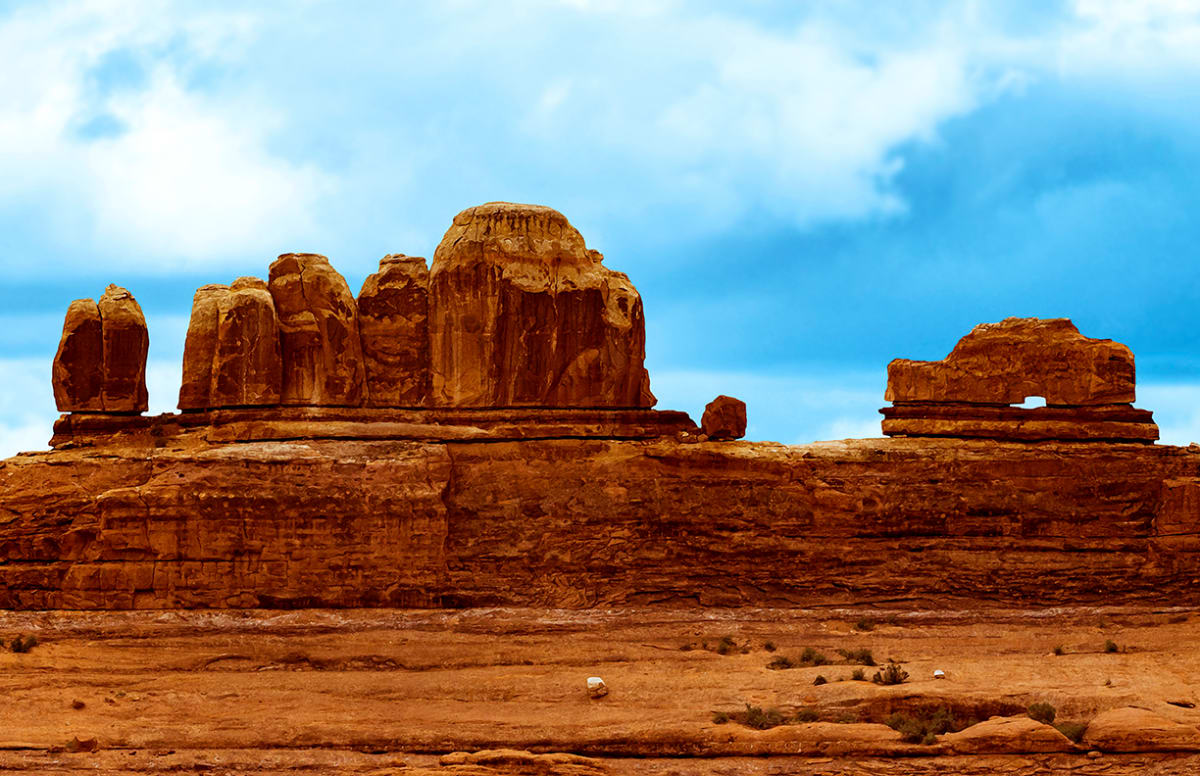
(480, 433)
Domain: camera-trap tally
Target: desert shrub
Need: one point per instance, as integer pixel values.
(864, 625)
(23, 643)
(1110, 646)
(892, 673)
(846, 719)
(762, 719)
(1059, 649)
(726, 645)
(806, 714)
(769, 646)
(1072, 730)
(720, 717)
(858, 675)
(924, 728)
(820, 680)
(1042, 712)
(861, 656)
(780, 662)
(812, 657)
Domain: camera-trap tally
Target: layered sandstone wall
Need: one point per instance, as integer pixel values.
(572, 522)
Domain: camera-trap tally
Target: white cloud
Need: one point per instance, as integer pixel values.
(182, 175)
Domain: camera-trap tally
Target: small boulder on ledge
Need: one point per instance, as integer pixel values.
(596, 687)
(724, 418)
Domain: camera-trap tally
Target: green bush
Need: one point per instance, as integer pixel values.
(1110, 646)
(762, 719)
(820, 680)
(726, 645)
(780, 662)
(924, 729)
(812, 657)
(1072, 730)
(861, 656)
(720, 717)
(1042, 712)
(892, 673)
(23, 643)
(1060, 650)
(858, 675)
(806, 715)
(769, 646)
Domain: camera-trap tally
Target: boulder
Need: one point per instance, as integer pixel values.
(724, 418)
(318, 332)
(200, 347)
(1131, 729)
(247, 369)
(78, 373)
(1008, 735)
(393, 322)
(1007, 362)
(126, 343)
(596, 687)
(522, 313)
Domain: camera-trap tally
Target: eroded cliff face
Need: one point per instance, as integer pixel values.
(522, 313)
(186, 522)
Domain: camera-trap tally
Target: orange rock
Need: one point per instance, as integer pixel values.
(1008, 735)
(200, 347)
(318, 332)
(1006, 362)
(1131, 729)
(522, 313)
(247, 366)
(78, 373)
(724, 418)
(126, 343)
(393, 321)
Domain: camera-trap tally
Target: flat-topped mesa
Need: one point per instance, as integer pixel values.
(1087, 385)
(318, 333)
(522, 313)
(231, 357)
(393, 321)
(100, 365)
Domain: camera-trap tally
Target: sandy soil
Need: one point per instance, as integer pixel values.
(386, 691)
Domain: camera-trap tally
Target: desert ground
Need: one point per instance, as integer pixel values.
(491, 691)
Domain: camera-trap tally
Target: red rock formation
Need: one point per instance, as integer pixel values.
(181, 519)
(200, 347)
(1006, 362)
(393, 321)
(101, 361)
(1087, 384)
(78, 374)
(523, 314)
(318, 332)
(724, 418)
(231, 357)
(247, 367)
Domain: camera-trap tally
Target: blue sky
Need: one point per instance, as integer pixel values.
(801, 191)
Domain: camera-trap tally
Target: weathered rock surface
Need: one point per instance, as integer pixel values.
(1007, 362)
(100, 365)
(1010, 735)
(78, 373)
(247, 365)
(393, 320)
(724, 418)
(200, 347)
(1131, 729)
(232, 354)
(522, 313)
(318, 332)
(177, 520)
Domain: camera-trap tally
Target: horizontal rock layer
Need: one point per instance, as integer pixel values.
(1114, 422)
(175, 520)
